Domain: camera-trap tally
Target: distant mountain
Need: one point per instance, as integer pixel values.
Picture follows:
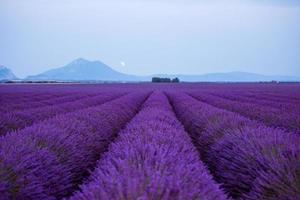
(83, 70)
(231, 77)
(6, 74)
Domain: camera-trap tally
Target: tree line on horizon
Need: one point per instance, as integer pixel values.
(165, 80)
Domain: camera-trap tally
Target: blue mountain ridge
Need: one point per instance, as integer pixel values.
(84, 70)
(6, 74)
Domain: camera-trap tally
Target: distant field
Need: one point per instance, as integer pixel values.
(150, 141)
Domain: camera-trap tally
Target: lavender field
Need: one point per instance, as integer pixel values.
(145, 141)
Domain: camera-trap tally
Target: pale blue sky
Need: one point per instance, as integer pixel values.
(152, 36)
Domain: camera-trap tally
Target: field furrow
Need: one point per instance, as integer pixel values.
(250, 160)
(273, 117)
(260, 101)
(51, 100)
(152, 158)
(13, 121)
(49, 160)
(141, 141)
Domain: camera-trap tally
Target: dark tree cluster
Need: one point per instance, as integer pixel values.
(164, 80)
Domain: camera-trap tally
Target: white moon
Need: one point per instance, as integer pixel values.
(123, 63)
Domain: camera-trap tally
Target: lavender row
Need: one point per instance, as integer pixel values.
(48, 160)
(152, 158)
(270, 116)
(250, 160)
(50, 100)
(285, 106)
(272, 98)
(26, 98)
(13, 121)
(286, 94)
(281, 96)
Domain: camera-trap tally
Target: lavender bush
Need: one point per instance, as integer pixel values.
(153, 158)
(19, 119)
(269, 115)
(62, 141)
(242, 155)
(259, 163)
(48, 160)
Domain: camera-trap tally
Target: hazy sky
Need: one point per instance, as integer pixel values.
(152, 36)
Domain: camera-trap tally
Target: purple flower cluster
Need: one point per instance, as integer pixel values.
(12, 121)
(49, 159)
(116, 141)
(284, 105)
(263, 161)
(271, 116)
(205, 123)
(152, 158)
(23, 102)
(251, 160)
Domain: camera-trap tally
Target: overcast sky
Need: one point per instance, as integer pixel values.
(152, 36)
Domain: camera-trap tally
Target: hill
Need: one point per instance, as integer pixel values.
(6, 73)
(85, 70)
